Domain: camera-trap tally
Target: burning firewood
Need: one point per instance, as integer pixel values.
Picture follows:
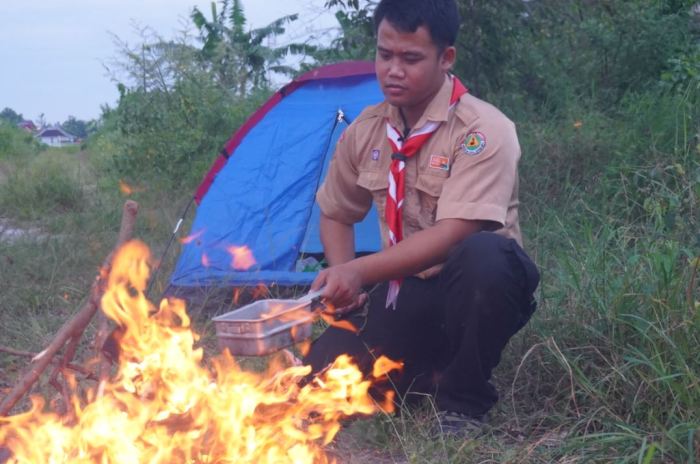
(73, 329)
(165, 404)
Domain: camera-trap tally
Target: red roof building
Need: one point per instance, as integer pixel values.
(27, 126)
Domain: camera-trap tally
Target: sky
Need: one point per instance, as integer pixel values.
(53, 53)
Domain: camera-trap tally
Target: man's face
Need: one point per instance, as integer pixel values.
(409, 66)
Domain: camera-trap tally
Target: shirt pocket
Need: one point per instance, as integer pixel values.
(377, 182)
(373, 180)
(429, 187)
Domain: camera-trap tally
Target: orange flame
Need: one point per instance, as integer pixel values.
(343, 324)
(163, 406)
(242, 258)
(192, 237)
(205, 260)
(236, 295)
(384, 365)
(304, 347)
(126, 189)
(260, 291)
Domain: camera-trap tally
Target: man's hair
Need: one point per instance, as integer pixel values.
(441, 17)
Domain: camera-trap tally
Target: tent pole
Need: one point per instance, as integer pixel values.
(167, 247)
(339, 116)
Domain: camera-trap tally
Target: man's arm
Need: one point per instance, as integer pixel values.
(414, 254)
(338, 240)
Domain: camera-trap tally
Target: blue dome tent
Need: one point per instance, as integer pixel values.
(260, 191)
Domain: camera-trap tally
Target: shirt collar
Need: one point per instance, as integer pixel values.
(437, 110)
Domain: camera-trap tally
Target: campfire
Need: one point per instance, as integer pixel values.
(164, 404)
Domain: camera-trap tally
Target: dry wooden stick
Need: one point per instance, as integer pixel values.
(28, 354)
(75, 326)
(68, 353)
(12, 351)
(127, 230)
(63, 389)
(690, 291)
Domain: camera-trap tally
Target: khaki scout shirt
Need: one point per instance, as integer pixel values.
(466, 170)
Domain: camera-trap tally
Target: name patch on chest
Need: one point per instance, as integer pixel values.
(440, 162)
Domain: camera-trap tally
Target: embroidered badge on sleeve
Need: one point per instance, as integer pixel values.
(474, 143)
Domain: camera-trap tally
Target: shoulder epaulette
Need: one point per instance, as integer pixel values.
(370, 112)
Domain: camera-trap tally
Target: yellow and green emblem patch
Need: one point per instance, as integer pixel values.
(474, 143)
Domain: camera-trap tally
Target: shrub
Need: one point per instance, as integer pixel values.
(15, 142)
(173, 136)
(40, 187)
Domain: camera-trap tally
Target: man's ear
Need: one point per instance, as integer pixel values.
(448, 57)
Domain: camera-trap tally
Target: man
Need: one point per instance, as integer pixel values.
(441, 166)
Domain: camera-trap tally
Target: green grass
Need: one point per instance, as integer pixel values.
(42, 185)
(607, 370)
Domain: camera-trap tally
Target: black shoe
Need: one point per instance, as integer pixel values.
(456, 424)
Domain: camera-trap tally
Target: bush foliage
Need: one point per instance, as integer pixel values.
(179, 102)
(15, 142)
(174, 135)
(41, 186)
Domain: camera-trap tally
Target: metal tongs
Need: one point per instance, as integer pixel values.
(313, 299)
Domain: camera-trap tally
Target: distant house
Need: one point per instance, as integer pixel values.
(55, 136)
(27, 126)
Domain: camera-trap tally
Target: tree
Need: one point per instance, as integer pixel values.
(550, 52)
(11, 116)
(154, 64)
(172, 113)
(75, 126)
(238, 57)
(356, 39)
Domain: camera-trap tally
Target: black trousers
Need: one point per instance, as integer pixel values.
(448, 330)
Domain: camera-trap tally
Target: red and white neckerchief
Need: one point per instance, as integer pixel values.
(401, 151)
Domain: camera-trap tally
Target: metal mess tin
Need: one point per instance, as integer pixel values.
(266, 326)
